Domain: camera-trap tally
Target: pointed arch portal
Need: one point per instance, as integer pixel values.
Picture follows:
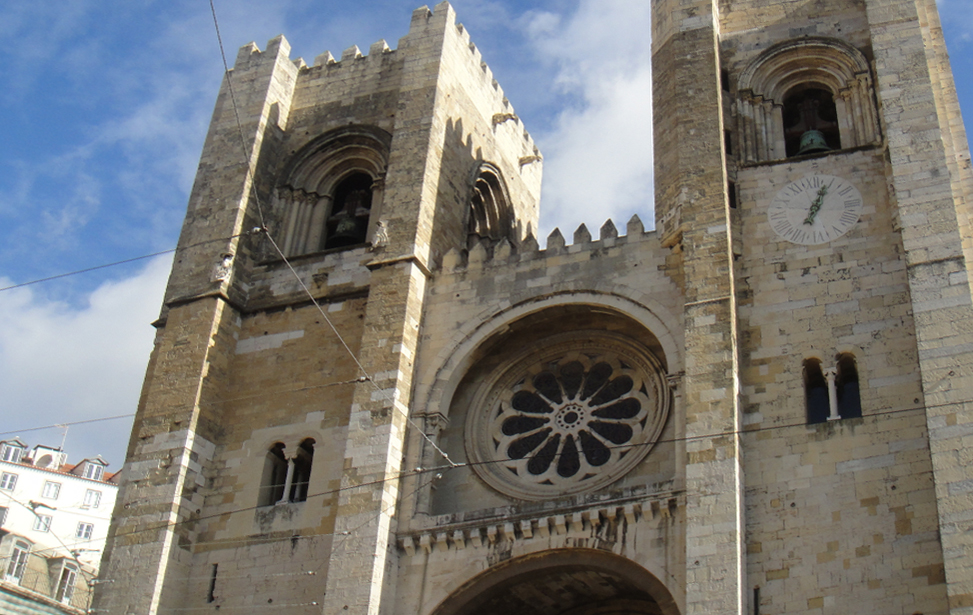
(562, 582)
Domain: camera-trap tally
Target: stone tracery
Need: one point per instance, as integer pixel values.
(571, 418)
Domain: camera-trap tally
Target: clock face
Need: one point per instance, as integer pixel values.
(815, 209)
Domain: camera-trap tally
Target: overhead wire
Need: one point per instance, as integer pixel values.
(439, 469)
(87, 576)
(68, 424)
(434, 472)
(122, 262)
(340, 536)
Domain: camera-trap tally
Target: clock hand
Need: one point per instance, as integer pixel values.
(816, 205)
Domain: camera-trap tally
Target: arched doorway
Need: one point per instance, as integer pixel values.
(562, 582)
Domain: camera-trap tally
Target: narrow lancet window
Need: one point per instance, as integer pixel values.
(274, 476)
(816, 392)
(302, 471)
(846, 382)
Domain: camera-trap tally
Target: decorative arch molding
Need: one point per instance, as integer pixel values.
(460, 355)
(641, 591)
(330, 192)
(821, 63)
(490, 216)
(455, 361)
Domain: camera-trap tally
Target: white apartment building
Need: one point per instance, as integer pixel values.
(54, 519)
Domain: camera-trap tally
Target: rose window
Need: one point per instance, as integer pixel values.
(569, 420)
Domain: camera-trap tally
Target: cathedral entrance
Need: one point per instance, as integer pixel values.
(562, 582)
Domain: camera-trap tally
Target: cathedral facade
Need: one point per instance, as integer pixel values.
(372, 392)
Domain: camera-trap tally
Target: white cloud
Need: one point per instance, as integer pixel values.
(598, 157)
(61, 364)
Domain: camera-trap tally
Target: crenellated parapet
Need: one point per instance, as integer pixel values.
(439, 23)
(481, 255)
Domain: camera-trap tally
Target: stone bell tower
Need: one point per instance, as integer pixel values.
(275, 388)
(813, 170)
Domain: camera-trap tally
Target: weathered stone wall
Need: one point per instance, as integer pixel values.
(865, 484)
(608, 285)
(832, 504)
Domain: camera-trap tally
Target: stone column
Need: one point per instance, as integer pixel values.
(830, 374)
(690, 175)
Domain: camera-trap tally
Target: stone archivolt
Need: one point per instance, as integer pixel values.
(305, 197)
(824, 63)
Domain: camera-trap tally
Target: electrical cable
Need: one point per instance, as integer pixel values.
(68, 424)
(366, 375)
(341, 536)
(121, 262)
(438, 469)
(81, 570)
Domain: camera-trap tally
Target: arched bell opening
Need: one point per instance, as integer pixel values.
(562, 582)
(348, 220)
(329, 194)
(810, 121)
(804, 96)
(490, 218)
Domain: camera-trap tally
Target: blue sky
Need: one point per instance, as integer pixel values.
(105, 108)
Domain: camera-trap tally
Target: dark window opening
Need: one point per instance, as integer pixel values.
(274, 476)
(810, 122)
(846, 381)
(348, 221)
(731, 193)
(302, 471)
(728, 142)
(66, 584)
(816, 392)
(725, 79)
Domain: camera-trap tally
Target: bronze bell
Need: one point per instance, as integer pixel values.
(348, 232)
(813, 141)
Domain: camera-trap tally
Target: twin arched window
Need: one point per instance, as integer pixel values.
(286, 478)
(832, 393)
(330, 189)
(811, 85)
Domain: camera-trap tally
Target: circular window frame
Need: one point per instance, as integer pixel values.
(491, 407)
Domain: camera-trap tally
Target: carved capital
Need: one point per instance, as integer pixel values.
(675, 380)
(433, 423)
